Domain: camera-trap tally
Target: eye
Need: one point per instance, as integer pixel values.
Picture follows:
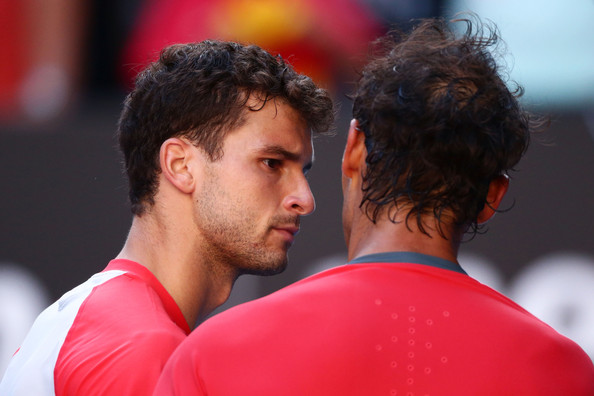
(272, 163)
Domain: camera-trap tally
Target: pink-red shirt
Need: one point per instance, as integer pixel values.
(402, 327)
(109, 336)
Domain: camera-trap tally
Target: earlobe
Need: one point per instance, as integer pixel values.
(497, 189)
(355, 152)
(174, 158)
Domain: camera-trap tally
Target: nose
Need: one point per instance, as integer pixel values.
(300, 200)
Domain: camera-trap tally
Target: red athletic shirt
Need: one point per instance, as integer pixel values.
(109, 336)
(407, 327)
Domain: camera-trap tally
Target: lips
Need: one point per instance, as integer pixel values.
(290, 229)
(288, 232)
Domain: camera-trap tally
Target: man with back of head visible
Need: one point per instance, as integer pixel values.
(217, 140)
(434, 133)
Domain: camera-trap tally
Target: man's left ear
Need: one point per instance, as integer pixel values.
(497, 189)
(174, 158)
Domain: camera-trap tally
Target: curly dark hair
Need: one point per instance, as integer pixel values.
(439, 121)
(200, 91)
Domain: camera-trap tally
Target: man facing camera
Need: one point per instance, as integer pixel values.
(217, 141)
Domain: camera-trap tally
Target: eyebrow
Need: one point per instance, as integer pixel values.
(291, 156)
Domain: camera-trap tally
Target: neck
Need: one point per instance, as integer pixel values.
(366, 237)
(175, 259)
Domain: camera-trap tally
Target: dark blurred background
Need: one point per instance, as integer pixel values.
(67, 65)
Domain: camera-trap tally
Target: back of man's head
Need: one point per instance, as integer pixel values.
(439, 121)
(200, 91)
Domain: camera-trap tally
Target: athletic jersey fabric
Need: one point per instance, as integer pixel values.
(393, 324)
(109, 336)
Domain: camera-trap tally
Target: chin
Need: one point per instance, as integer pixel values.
(267, 269)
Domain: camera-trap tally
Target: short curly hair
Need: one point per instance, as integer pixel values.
(439, 121)
(200, 91)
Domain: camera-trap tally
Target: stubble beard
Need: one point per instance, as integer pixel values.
(231, 247)
(232, 240)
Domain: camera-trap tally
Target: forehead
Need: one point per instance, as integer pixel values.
(273, 126)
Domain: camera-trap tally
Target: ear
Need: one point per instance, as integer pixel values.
(497, 189)
(355, 152)
(175, 159)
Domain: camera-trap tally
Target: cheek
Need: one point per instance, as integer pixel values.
(253, 199)
(251, 189)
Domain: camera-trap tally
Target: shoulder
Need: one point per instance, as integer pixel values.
(124, 311)
(492, 337)
(553, 361)
(129, 367)
(120, 328)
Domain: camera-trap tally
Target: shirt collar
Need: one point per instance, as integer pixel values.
(409, 257)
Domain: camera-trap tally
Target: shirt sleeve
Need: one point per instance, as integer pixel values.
(128, 369)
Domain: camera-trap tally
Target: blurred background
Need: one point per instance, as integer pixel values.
(67, 64)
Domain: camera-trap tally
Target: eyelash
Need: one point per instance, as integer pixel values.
(272, 163)
(275, 164)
